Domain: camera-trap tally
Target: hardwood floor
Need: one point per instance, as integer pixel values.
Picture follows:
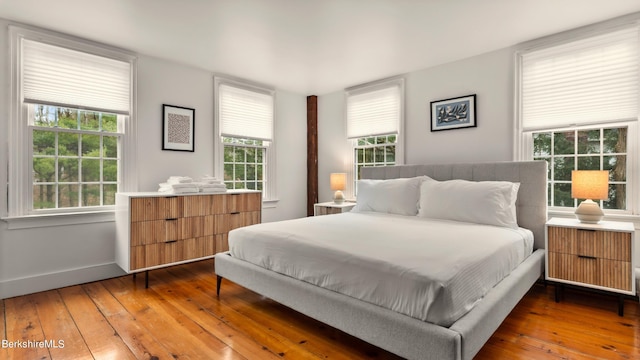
(179, 317)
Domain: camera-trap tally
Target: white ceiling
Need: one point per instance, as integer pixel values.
(312, 47)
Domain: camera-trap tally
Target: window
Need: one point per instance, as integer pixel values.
(244, 163)
(374, 124)
(75, 157)
(375, 151)
(602, 148)
(71, 124)
(245, 124)
(578, 108)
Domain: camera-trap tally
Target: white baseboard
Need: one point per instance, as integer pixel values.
(43, 282)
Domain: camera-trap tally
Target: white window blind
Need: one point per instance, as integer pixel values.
(245, 113)
(592, 80)
(375, 112)
(58, 76)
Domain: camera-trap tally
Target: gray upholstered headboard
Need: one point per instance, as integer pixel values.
(532, 176)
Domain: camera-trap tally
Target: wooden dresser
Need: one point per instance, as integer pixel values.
(156, 230)
(598, 256)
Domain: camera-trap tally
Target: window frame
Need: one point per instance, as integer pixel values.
(119, 135)
(523, 139)
(630, 159)
(357, 147)
(20, 152)
(269, 191)
(240, 144)
(352, 175)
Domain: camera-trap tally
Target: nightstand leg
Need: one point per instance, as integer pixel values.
(146, 279)
(558, 292)
(620, 305)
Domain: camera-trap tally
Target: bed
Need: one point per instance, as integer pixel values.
(410, 334)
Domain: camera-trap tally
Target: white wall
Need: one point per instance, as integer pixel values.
(162, 82)
(490, 77)
(291, 162)
(41, 258)
(334, 151)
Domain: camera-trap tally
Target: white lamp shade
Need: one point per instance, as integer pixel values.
(590, 184)
(338, 181)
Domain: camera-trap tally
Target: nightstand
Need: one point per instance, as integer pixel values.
(327, 208)
(597, 256)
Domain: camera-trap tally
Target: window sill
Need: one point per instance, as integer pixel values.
(62, 219)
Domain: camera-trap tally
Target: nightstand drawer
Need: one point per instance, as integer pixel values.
(615, 274)
(617, 246)
(573, 268)
(562, 239)
(589, 243)
(590, 270)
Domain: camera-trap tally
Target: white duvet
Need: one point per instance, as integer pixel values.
(433, 270)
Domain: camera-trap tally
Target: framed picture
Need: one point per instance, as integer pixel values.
(178, 128)
(453, 113)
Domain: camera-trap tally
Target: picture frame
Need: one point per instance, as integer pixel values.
(178, 128)
(454, 113)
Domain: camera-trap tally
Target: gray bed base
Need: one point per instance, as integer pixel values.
(397, 333)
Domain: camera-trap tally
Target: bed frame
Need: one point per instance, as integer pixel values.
(398, 333)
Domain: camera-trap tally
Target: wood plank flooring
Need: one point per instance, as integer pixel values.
(179, 317)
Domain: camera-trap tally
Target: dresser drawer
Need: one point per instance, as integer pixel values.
(155, 208)
(172, 251)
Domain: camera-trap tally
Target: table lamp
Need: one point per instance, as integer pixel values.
(338, 183)
(590, 185)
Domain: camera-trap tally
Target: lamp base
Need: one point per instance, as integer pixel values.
(338, 197)
(589, 212)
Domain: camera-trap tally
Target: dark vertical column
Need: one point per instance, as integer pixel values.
(312, 153)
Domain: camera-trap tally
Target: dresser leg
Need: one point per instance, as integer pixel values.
(146, 279)
(620, 305)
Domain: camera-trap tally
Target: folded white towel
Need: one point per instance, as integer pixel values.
(213, 182)
(210, 180)
(179, 180)
(177, 186)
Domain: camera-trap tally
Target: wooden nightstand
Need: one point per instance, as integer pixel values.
(598, 256)
(327, 208)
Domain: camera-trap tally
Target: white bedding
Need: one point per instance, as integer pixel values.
(432, 270)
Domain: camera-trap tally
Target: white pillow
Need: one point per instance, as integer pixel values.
(481, 202)
(395, 196)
